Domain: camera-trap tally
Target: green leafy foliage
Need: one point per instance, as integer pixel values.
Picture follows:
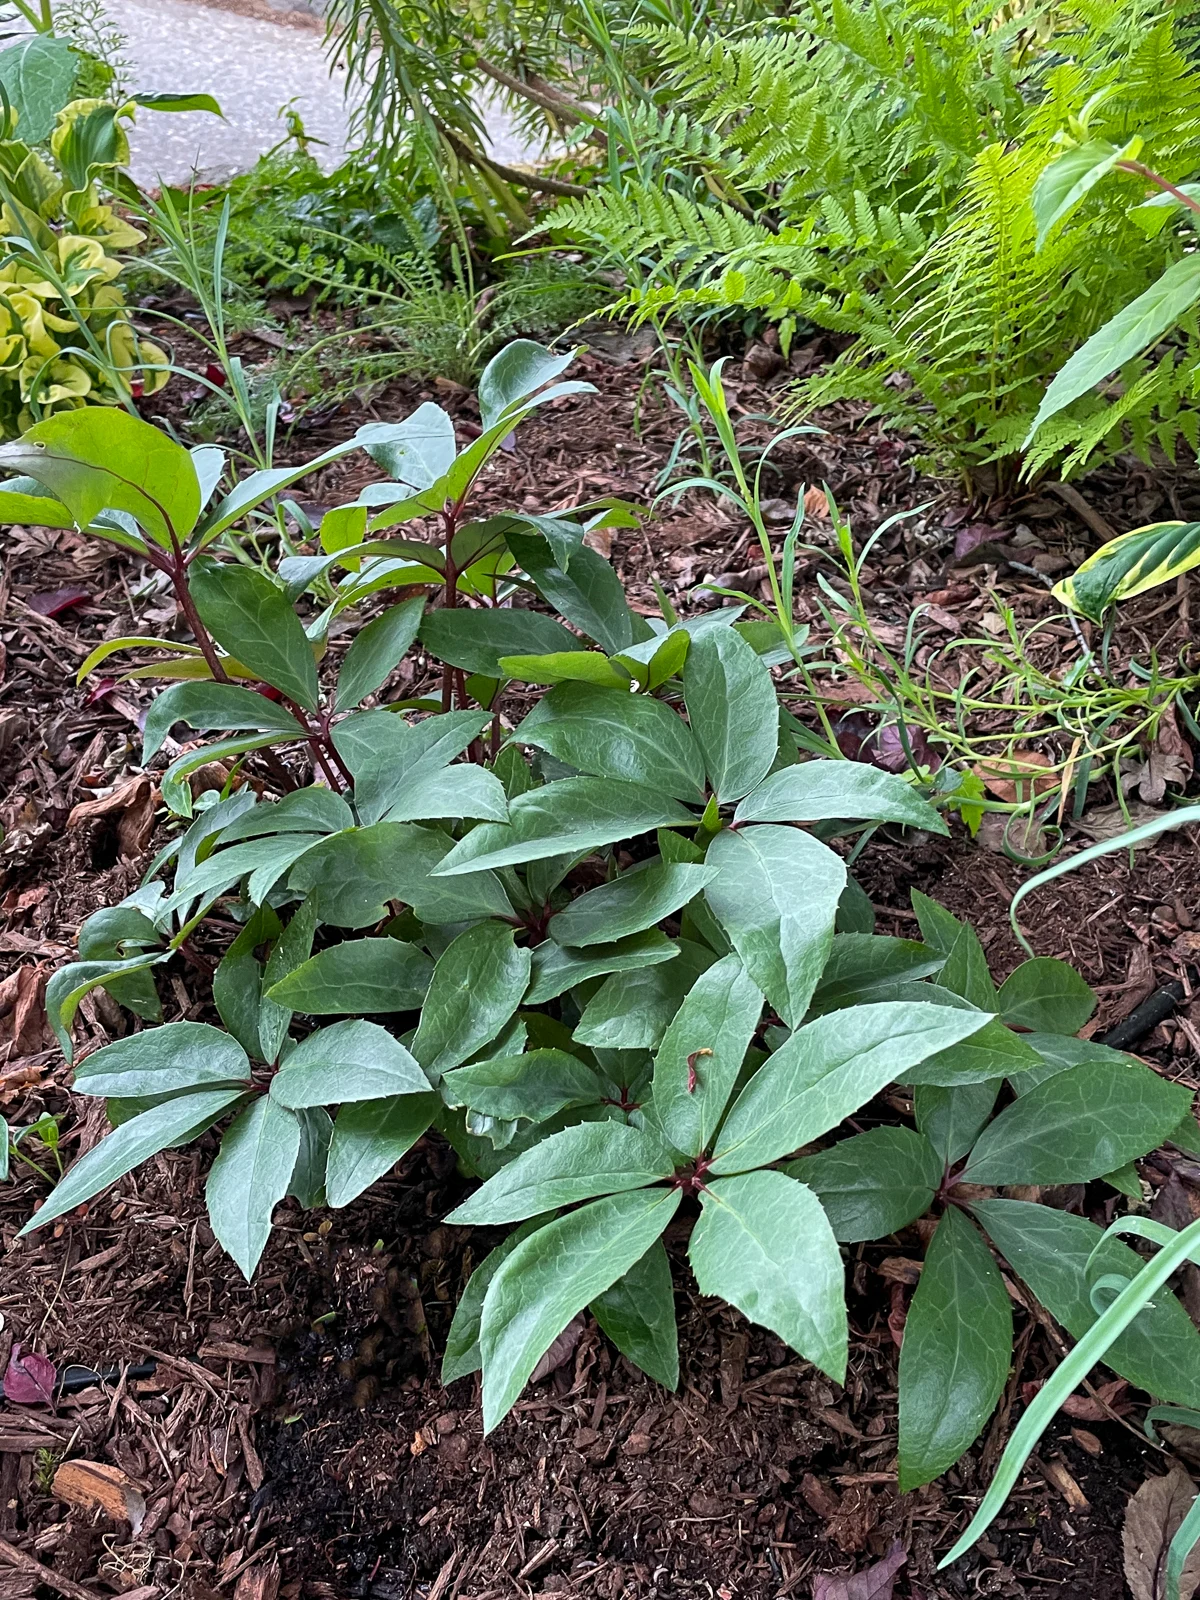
(956, 1351)
(882, 172)
(597, 952)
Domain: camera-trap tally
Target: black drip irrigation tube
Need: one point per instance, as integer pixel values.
(1163, 1003)
(74, 1380)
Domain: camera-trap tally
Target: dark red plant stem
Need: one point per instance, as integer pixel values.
(279, 772)
(178, 574)
(332, 751)
(450, 598)
(1141, 171)
(313, 740)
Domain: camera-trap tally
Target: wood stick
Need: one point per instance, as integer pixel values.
(43, 1574)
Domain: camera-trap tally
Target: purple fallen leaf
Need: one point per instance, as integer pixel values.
(851, 732)
(885, 749)
(29, 1380)
(561, 1351)
(876, 1583)
(971, 537)
(57, 601)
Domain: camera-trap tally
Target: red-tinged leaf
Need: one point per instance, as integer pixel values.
(876, 1583)
(101, 692)
(29, 1380)
(56, 601)
(216, 374)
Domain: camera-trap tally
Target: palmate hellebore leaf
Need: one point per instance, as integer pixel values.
(826, 1071)
(776, 895)
(610, 733)
(764, 1244)
(638, 1315)
(553, 1275)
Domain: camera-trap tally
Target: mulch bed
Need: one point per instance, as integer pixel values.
(294, 1439)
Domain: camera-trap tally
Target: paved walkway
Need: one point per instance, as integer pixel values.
(253, 66)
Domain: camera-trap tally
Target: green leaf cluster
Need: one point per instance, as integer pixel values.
(610, 956)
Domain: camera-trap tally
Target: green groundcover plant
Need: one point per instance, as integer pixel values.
(609, 953)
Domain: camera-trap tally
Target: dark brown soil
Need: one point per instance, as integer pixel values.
(295, 1437)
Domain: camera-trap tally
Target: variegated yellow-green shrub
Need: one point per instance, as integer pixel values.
(65, 335)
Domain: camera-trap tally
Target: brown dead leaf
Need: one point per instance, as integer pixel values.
(1159, 772)
(600, 540)
(941, 618)
(132, 804)
(99, 1486)
(561, 1351)
(1140, 983)
(1002, 831)
(213, 775)
(1184, 1441)
(1172, 743)
(1018, 776)
(1106, 822)
(816, 504)
(877, 1582)
(22, 1014)
(1151, 1520)
(1111, 1399)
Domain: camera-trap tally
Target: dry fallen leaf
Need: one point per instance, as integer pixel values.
(29, 1378)
(1018, 775)
(132, 804)
(1151, 1519)
(876, 1583)
(816, 504)
(561, 1351)
(1002, 831)
(99, 1486)
(1172, 743)
(1106, 822)
(23, 1014)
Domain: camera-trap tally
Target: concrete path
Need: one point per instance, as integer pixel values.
(253, 65)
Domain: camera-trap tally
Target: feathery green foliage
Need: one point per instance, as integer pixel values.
(874, 178)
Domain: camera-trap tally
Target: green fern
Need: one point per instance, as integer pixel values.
(866, 166)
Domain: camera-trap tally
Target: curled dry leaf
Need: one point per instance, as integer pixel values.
(561, 1351)
(877, 1582)
(1151, 1520)
(22, 1017)
(132, 804)
(29, 1379)
(816, 504)
(99, 1486)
